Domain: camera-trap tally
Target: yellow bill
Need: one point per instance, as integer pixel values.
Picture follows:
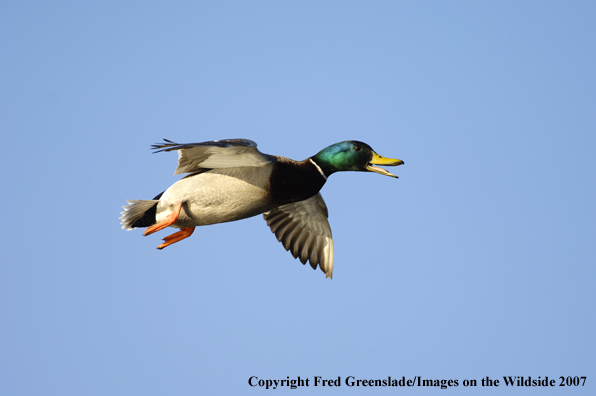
(379, 160)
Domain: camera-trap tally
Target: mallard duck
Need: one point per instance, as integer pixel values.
(230, 180)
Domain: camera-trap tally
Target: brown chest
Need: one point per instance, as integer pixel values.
(292, 182)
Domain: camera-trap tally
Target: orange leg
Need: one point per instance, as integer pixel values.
(169, 220)
(177, 237)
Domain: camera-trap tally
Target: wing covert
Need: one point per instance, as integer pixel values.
(229, 153)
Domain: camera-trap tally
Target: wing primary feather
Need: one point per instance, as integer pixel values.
(278, 222)
(285, 230)
(290, 239)
(301, 246)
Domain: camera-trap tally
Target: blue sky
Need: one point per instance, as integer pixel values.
(478, 261)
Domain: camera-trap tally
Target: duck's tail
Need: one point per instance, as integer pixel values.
(138, 213)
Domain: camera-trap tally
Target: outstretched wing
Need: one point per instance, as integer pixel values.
(230, 153)
(303, 229)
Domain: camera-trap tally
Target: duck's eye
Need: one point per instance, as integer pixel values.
(357, 147)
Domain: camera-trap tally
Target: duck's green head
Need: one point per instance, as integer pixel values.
(352, 155)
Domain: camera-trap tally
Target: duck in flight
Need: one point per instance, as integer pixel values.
(229, 180)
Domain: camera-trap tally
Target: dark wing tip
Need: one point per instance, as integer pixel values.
(168, 146)
(171, 146)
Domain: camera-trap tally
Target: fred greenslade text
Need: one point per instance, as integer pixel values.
(416, 381)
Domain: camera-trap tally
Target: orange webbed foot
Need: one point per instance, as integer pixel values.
(177, 237)
(168, 221)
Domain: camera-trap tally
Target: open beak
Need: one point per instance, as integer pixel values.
(378, 160)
